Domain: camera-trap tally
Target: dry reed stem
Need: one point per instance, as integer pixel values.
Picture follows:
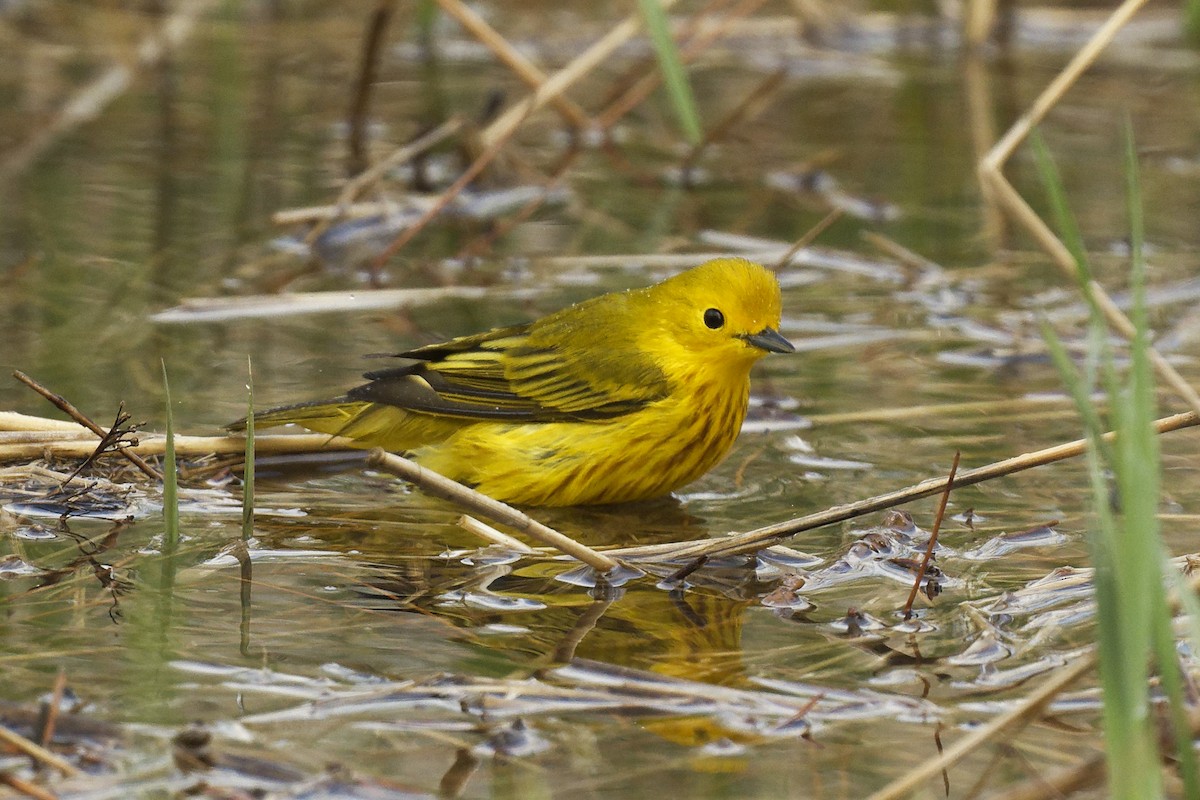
(513, 59)
(755, 540)
(69, 446)
(891, 247)
(68, 408)
(496, 136)
(992, 176)
(260, 306)
(38, 437)
(38, 753)
(447, 489)
(1024, 712)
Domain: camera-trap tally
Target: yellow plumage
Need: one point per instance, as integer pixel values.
(622, 397)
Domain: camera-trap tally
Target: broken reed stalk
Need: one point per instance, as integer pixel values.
(69, 445)
(997, 187)
(66, 407)
(933, 534)
(755, 540)
(447, 489)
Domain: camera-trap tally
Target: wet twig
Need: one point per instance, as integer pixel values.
(52, 710)
(809, 237)
(115, 439)
(933, 534)
(66, 407)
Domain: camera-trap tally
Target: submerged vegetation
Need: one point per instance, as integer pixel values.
(228, 616)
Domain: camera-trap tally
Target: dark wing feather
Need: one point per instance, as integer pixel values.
(564, 367)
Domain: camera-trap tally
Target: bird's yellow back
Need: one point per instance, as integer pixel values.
(622, 397)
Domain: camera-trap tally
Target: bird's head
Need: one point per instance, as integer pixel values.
(724, 312)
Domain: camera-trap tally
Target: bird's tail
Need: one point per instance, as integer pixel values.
(334, 417)
(368, 424)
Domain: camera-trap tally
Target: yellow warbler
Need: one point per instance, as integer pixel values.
(622, 397)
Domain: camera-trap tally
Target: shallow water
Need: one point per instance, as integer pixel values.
(376, 636)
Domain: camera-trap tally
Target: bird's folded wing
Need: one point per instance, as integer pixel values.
(546, 373)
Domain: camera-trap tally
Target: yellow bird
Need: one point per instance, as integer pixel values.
(622, 397)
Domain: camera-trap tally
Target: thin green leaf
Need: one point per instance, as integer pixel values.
(170, 475)
(1068, 228)
(248, 472)
(674, 77)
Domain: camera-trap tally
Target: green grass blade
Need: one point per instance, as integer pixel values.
(1068, 227)
(1144, 450)
(674, 77)
(248, 472)
(170, 474)
(1079, 386)
(1134, 625)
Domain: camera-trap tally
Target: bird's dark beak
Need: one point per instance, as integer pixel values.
(769, 339)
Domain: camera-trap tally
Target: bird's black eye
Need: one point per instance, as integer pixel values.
(714, 318)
